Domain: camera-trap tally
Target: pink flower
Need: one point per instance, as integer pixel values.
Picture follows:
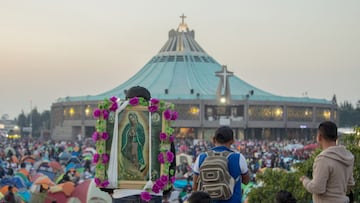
(167, 114)
(169, 156)
(113, 99)
(95, 136)
(145, 196)
(97, 181)
(154, 101)
(163, 136)
(134, 101)
(174, 115)
(114, 107)
(104, 183)
(96, 158)
(105, 158)
(159, 183)
(105, 136)
(105, 114)
(97, 113)
(156, 188)
(172, 138)
(164, 178)
(161, 158)
(153, 108)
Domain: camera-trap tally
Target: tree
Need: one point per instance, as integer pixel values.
(22, 122)
(45, 119)
(352, 143)
(35, 122)
(348, 115)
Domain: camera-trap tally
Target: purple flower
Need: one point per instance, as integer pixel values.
(95, 136)
(156, 188)
(104, 183)
(163, 136)
(169, 156)
(113, 99)
(96, 113)
(154, 101)
(114, 107)
(105, 136)
(174, 115)
(172, 138)
(145, 196)
(172, 179)
(97, 181)
(161, 158)
(159, 183)
(105, 114)
(153, 108)
(164, 178)
(167, 114)
(105, 158)
(134, 101)
(96, 158)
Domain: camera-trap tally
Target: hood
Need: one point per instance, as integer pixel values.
(339, 153)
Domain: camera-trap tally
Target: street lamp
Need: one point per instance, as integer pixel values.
(246, 111)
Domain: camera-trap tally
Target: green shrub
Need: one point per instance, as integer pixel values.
(274, 180)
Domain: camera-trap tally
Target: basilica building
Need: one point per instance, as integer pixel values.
(206, 94)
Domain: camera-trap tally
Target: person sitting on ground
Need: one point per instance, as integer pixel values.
(284, 196)
(9, 196)
(199, 197)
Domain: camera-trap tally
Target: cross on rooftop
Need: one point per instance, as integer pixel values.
(182, 18)
(224, 74)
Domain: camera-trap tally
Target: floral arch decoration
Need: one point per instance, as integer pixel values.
(103, 136)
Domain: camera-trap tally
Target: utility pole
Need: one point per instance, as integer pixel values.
(30, 135)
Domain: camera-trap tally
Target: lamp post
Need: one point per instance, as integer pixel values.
(30, 135)
(246, 111)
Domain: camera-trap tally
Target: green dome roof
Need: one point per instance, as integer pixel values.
(183, 70)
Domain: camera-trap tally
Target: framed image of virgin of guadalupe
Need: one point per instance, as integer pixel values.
(134, 144)
(138, 145)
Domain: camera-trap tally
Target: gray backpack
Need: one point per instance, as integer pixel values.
(215, 178)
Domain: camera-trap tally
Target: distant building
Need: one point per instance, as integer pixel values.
(6, 126)
(206, 95)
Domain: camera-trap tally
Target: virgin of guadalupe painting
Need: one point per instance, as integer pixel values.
(133, 144)
(134, 147)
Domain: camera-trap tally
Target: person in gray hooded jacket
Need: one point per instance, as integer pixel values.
(332, 169)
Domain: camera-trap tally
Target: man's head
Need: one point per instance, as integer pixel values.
(224, 135)
(138, 91)
(327, 131)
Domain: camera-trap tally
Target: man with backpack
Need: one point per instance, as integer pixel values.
(220, 171)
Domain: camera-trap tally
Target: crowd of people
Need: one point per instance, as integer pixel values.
(23, 161)
(258, 153)
(71, 161)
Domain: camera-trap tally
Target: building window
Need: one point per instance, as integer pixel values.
(323, 114)
(266, 113)
(72, 113)
(188, 111)
(295, 113)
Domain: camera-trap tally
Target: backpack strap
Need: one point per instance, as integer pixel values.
(223, 153)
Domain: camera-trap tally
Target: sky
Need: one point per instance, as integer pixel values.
(54, 49)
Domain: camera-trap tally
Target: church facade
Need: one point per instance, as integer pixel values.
(206, 95)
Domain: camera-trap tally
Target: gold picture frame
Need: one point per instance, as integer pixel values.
(139, 145)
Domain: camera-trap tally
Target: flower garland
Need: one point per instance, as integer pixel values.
(165, 156)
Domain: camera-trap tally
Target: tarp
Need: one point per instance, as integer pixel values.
(87, 191)
(16, 181)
